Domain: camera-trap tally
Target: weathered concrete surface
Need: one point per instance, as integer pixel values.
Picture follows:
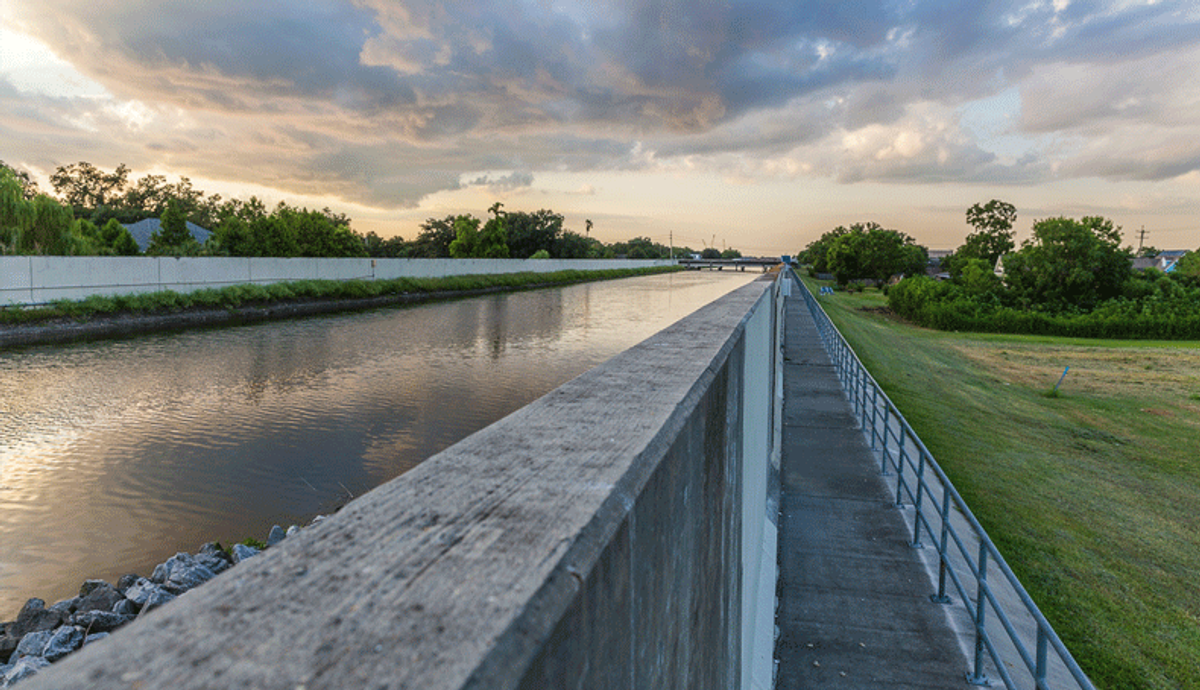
(588, 540)
(855, 609)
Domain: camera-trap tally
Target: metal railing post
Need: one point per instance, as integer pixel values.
(916, 542)
(940, 597)
(1039, 674)
(977, 677)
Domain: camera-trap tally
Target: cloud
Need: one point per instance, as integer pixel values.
(513, 180)
(385, 102)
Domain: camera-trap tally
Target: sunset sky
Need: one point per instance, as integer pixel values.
(756, 125)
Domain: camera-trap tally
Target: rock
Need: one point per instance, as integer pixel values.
(33, 644)
(180, 573)
(157, 598)
(241, 552)
(214, 558)
(101, 596)
(94, 638)
(90, 586)
(293, 530)
(140, 592)
(35, 617)
(8, 645)
(22, 669)
(275, 536)
(100, 621)
(66, 607)
(126, 607)
(126, 582)
(66, 639)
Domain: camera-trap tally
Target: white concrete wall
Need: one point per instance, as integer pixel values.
(42, 279)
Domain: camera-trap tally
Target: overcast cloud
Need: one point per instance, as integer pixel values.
(384, 102)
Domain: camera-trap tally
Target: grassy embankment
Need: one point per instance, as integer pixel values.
(1093, 496)
(249, 295)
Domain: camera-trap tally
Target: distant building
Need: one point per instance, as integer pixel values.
(143, 229)
(1165, 261)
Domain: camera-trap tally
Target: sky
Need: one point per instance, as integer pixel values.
(756, 125)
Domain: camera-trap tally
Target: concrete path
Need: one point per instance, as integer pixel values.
(854, 597)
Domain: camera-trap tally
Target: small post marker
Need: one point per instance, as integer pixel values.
(1060, 378)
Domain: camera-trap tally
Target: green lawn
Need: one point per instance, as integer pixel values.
(1093, 496)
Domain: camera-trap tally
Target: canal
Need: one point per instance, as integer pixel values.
(115, 455)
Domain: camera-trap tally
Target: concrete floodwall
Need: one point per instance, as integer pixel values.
(609, 535)
(43, 279)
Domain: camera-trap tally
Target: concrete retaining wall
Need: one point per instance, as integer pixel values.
(616, 533)
(42, 279)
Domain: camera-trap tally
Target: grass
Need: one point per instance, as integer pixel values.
(249, 295)
(1092, 493)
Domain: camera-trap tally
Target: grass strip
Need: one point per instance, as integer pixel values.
(236, 296)
(1092, 494)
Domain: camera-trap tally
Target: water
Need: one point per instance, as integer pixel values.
(115, 455)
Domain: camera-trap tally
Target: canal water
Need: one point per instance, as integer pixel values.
(115, 455)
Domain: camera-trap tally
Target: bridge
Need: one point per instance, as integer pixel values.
(649, 524)
(739, 264)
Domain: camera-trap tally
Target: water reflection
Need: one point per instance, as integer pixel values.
(115, 455)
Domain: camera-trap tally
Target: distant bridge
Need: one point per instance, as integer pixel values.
(739, 264)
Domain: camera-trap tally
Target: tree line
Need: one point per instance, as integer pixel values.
(1071, 277)
(91, 207)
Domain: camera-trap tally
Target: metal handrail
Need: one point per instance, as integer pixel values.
(885, 426)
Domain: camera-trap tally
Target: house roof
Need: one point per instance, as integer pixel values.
(143, 229)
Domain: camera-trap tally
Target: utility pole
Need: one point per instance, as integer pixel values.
(671, 235)
(1141, 239)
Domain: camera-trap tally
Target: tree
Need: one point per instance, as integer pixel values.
(993, 238)
(434, 239)
(391, 248)
(118, 239)
(466, 237)
(1189, 264)
(816, 254)
(867, 251)
(173, 238)
(710, 253)
(83, 185)
(529, 233)
(1069, 265)
(29, 186)
(572, 245)
(493, 239)
(731, 254)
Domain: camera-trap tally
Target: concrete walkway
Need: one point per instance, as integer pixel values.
(854, 597)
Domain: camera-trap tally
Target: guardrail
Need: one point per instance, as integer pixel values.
(1008, 629)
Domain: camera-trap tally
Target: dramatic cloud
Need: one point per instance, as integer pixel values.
(385, 102)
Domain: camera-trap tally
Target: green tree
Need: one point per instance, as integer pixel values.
(572, 245)
(1069, 265)
(83, 185)
(118, 239)
(466, 237)
(867, 251)
(1189, 264)
(493, 239)
(529, 233)
(816, 254)
(731, 254)
(391, 248)
(29, 186)
(173, 238)
(993, 238)
(434, 239)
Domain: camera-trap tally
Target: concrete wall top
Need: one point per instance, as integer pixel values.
(463, 563)
(43, 279)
